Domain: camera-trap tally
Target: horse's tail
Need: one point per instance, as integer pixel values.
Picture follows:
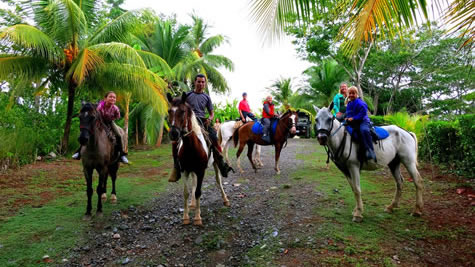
(236, 137)
(417, 147)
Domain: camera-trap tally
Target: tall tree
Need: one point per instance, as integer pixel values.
(281, 91)
(64, 52)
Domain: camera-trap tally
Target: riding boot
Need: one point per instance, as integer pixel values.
(175, 175)
(266, 138)
(223, 167)
(370, 154)
(122, 154)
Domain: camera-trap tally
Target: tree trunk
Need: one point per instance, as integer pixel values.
(127, 97)
(69, 117)
(160, 132)
(376, 102)
(136, 132)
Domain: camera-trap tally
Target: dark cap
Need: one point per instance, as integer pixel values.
(243, 94)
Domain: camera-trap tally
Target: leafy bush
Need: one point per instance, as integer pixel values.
(466, 134)
(226, 112)
(378, 120)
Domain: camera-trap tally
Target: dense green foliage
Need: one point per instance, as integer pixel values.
(226, 112)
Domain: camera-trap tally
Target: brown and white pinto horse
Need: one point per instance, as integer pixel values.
(244, 135)
(194, 154)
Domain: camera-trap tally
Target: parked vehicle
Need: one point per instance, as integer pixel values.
(304, 125)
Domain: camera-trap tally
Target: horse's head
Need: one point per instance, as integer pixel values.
(323, 124)
(179, 116)
(87, 120)
(290, 119)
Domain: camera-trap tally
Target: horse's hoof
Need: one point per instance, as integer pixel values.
(255, 170)
(104, 197)
(197, 222)
(227, 203)
(86, 217)
(277, 172)
(113, 199)
(416, 213)
(186, 221)
(389, 209)
(357, 219)
(99, 214)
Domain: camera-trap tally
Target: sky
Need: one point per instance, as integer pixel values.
(256, 63)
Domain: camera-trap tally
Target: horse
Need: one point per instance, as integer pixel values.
(98, 153)
(225, 133)
(244, 135)
(194, 154)
(399, 147)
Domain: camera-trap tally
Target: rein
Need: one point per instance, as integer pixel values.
(341, 147)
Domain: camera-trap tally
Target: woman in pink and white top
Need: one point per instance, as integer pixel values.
(110, 112)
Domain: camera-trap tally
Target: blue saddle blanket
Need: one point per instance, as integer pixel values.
(380, 132)
(258, 128)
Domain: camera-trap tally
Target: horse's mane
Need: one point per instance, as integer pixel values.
(195, 126)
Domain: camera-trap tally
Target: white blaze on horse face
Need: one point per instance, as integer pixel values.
(293, 129)
(173, 116)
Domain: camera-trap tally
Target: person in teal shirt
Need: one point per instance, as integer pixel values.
(339, 107)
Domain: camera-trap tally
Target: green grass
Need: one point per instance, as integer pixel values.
(57, 226)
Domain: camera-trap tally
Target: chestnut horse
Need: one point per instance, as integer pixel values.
(194, 154)
(97, 153)
(244, 135)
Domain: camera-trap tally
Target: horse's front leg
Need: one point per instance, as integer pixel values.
(257, 156)
(278, 148)
(219, 184)
(225, 146)
(113, 174)
(199, 177)
(186, 194)
(193, 191)
(89, 192)
(103, 172)
(250, 147)
(354, 181)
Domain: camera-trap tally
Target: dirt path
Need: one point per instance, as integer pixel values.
(272, 221)
(263, 206)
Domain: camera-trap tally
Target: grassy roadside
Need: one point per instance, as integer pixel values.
(52, 228)
(330, 237)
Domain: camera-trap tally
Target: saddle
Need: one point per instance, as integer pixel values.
(258, 128)
(377, 134)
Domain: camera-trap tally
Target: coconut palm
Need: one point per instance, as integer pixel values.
(367, 17)
(324, 81)
(63, 51)
(281, 91)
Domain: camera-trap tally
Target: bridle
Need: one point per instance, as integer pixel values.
(184, 131)
(341, 147)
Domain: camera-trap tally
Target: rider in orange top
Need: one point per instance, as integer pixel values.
(267, 114)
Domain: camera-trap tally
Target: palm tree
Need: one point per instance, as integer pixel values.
(281, 91)
(367, 17)
(324, 81)
(65, 53)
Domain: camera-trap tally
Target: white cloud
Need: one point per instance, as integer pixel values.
(256, 65)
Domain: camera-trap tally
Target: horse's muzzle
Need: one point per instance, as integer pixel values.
(84, 137)
(174, 133)
(322, 139)
(293, 130)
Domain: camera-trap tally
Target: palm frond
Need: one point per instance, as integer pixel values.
(86, 62)
(89, 8)
(62, 20)
(25, 68)
(155, 63)
(461, 14)
(212, 43)
(118, 53)
(143, 83)
(218, 61)
(33, 40)
(117, 30)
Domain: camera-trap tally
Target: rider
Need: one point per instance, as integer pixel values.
(110, 112)
(267, 114)
(199, 102)
(357, 117)
(339, 107)
(245, 110)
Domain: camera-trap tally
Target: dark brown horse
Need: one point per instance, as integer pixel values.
(244, 135)
(97, 153)
(194, 154)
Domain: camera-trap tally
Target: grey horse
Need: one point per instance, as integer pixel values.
(97, 153)
(399, 147)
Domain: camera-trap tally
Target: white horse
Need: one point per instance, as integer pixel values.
(225, 132)
(399, 147)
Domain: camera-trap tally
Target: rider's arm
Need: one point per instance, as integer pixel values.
(240, 114)
(336, 104)
(361, 111)
(266, 109)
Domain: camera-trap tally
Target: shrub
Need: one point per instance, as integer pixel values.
(378, 120)
(466, 134)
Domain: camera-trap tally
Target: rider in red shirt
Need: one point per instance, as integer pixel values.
(245, 110)
(267, 114)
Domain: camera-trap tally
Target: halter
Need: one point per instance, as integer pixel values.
(341, 147)
(184, 132)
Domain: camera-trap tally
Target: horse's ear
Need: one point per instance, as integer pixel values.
(169, 97)
(183, 97)
(316, 109)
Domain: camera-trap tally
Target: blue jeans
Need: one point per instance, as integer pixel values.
(365, 135)
(266, 125)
